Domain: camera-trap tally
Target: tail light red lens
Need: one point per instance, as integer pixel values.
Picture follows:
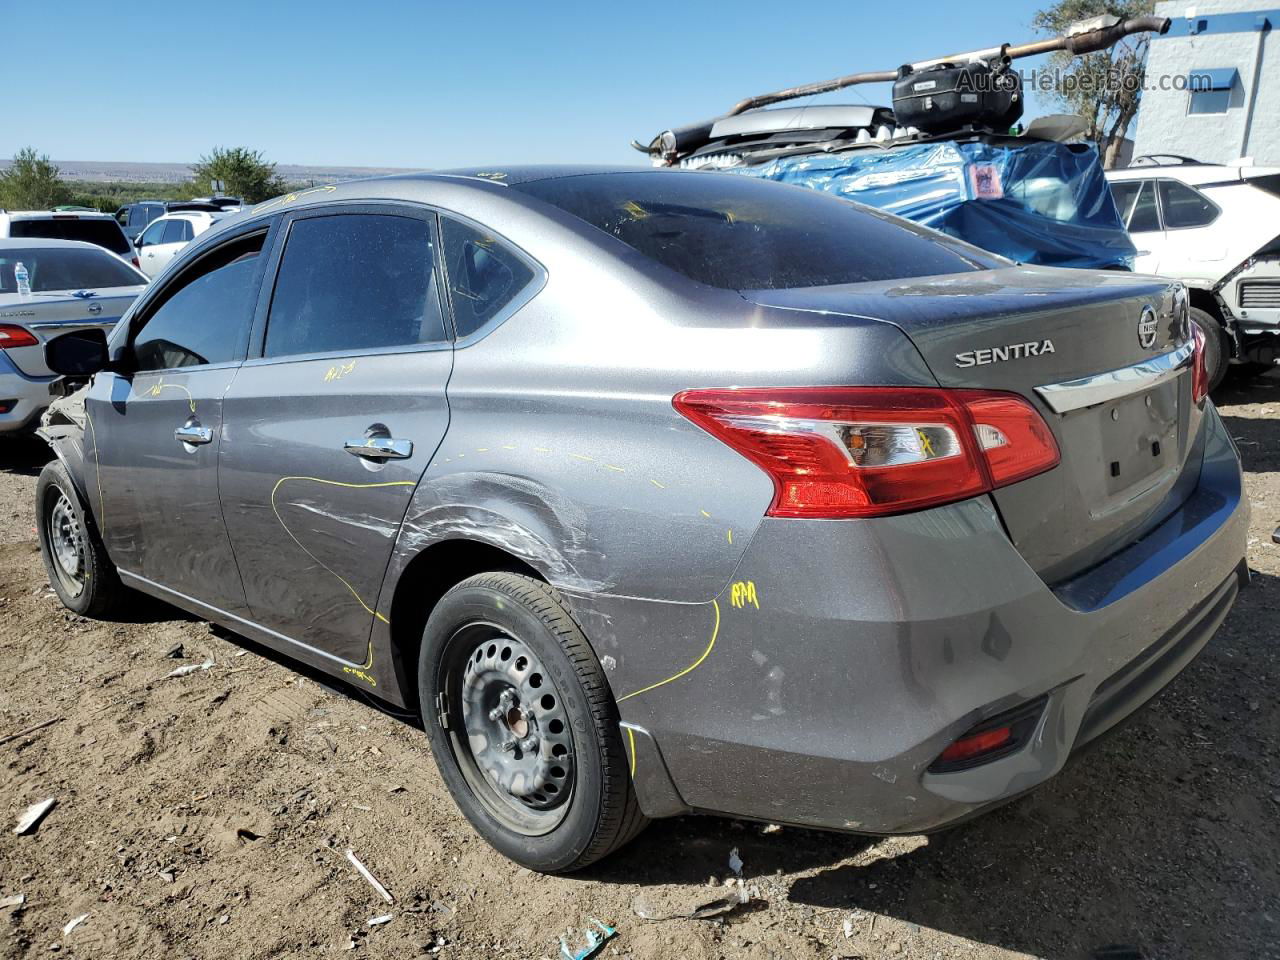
(136, 262)
(836, 452)
(1199, 372)
(12, 335)
(975, 745)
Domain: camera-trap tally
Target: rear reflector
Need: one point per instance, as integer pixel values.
(12, 335)
(835, 452)
(974, 745)
(992, 739)
(1199, 372)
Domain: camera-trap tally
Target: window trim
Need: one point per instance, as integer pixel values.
(1164, 222)
(530, 290)
(1143, 183)
(141, 311)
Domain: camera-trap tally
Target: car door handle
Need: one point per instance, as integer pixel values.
(380, 448)
(194, 433)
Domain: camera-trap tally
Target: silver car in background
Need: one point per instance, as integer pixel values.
(658, 492)
(73, 286)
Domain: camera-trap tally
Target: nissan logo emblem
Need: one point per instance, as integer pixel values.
(1147, 327)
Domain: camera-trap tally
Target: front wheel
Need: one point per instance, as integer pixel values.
(522, 724)
(74, 557)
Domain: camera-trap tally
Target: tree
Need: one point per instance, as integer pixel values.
(1103, 88)
(32, 183)
(243, 172)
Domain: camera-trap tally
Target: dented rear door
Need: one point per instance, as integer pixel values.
(332, 422)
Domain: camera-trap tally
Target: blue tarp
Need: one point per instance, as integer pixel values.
(1034, 201)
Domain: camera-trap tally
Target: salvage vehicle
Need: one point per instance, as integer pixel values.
(47, 288)
(1217, 229)
(166, 235)
(659, 491)
(946, 155)
(100, 229)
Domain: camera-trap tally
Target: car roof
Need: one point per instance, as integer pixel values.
(189, 215)
(57, 214)
(41, 243)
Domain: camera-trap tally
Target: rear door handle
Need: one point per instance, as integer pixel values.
(194, 433)
(380, 448)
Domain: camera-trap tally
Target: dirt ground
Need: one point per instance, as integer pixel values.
(210, 815)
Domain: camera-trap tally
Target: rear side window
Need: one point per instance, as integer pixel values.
(104, 232)
(1185, 207)
(484, 276)
(739, 233)
(355, 282)
(205, 314)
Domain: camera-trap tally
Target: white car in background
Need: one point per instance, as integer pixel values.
(73, 286)
(1217, 229)
(166, 235)
(85, 225)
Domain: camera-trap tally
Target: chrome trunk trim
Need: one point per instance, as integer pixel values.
(1112, 385)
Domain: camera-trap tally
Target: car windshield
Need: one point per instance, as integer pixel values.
(66, 268)
(737, 233)
(104, 231)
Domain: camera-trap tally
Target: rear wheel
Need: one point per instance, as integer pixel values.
(74, 557)
(1215, 346)
(526, 734)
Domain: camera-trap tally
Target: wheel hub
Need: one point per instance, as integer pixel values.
(517, 729)
(64, 538)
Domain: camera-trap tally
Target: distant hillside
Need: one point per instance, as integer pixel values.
(123, 171)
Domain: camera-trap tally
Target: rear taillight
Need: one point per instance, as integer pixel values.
(869, 451)
(1199, 372)
(136, 262)
(12, 335)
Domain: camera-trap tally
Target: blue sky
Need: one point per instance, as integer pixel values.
(386, 83)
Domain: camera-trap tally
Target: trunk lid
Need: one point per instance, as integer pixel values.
(1128, 457)
(52, 313)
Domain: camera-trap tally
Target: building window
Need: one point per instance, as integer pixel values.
(1211, 90)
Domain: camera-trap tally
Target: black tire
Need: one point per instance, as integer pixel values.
(1215, 346)
(75, 559)
(472, 649)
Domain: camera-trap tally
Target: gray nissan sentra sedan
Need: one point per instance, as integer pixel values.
(660, 492)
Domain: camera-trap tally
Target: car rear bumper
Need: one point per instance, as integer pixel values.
(26, 397)
(822, 684)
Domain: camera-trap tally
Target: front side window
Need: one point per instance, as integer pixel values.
(484, 276)
(154, 232)
(355, 282)
(1184, 207)
(1136, 202)
(173, 232)
(205, 313)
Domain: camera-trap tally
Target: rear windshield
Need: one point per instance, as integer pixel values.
(104, 232)
(49, 268)
(739, 233)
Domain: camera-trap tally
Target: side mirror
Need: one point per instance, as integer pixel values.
(78, 354)
(137, 242)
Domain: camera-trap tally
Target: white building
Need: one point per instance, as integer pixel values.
(1213, 83)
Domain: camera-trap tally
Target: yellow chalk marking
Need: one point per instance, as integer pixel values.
(657, 484)
(291, 197)
(631, 739)
(339, 371)
(155, 388)
(730, 535)
(610, 466)
(582, 456)
(689, 669)
(482, 449)
(744, 592)
(925, 442)
(97, 470)
(705, 514)
(335, 483)
(508, 446)
(541, 450)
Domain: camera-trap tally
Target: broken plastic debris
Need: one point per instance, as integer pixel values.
(595, 941)
(189, 668)
(373, 881)
(735, 862)
(738, 897)
(31, 818)
(74, 923)
(17, 900)
(379, 921)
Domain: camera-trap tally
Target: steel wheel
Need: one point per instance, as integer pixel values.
(512, 736)
(66, 542)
